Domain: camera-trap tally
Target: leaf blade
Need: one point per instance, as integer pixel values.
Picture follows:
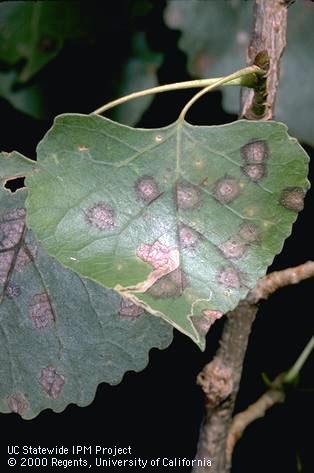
(183, 220)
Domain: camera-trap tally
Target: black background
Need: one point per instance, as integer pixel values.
(158, 411)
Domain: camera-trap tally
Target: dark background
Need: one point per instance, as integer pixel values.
(158, 411)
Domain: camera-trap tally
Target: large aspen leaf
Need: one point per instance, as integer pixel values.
(181, 220)
(60, 335)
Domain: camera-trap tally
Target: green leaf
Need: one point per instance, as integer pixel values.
(27, 98)
(182, 220)
(60, 335)
(35, 32)
(211, 52)
(139, 73)
(15, 165)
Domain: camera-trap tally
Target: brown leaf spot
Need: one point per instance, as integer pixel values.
(17, 403)
(255, 172)
(188, 197)
(226, 190)
(206, 320)
(146, 189)
(249, 232)
(233, 248)
(255, 152)
(129, 309)
(12, 291)
(188, 237)
(171, 285)
(100, 216)
(11, 228)
(51, 381)
(40, 311)
(229, 277)
(5, 264)
(292, 198)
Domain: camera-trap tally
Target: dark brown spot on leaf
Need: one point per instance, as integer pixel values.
(255, 152)
(12, 291)
(18, 403)
(292, 198)
(249, 232)
(229, 277)
(188, 197)
(226, 190)
(40, 311)
(51, 381)
(171, 285)
(188, 237)
(100, 216)
(233, 248)
(255, 172)
(130, 309)
(146, 189)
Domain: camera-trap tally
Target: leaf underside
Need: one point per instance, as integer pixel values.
(60, 335)
(180, 220)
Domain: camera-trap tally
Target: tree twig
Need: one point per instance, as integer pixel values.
(272, 396)
(269, 34)
(273, 281)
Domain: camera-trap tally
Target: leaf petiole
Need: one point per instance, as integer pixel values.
(246, 77)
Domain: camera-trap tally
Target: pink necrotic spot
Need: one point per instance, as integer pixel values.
(229, 277)
(51, 381)
(226, 190)
(130, 309)
(255, 172)
(292, 198)
(12, 225)
(188, 197)
(146, 189)
(233, 248)
(40, 311)
(17, 403)
(170, 285)
(156, 254)
(188, 237)
(255, 152)
(100, 216)
(5, 265)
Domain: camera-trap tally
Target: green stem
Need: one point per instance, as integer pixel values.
(296, 368)
(238, 75)
(245, 78)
